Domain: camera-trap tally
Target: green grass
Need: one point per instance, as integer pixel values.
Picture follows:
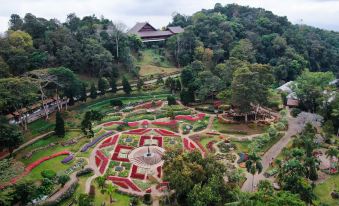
(151, 57)
(240, 129)
(242, 146)
(52, 164)
(323, 190)
(38, 127)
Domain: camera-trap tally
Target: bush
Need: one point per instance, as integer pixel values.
(116, 102)
(63, 179)
(49, 174)
(147, 199)
(171, 100)
(295, 112)
(280, 126)
(84, 172)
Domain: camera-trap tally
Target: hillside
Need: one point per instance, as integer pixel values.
(271, 39)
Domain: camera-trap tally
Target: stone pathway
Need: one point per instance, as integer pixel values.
(294, 127)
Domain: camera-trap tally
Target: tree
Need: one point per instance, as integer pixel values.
(171, 100)
(17, 93)
(85, 200)
(6, 197)
(110, 191)
(25, 192)
(309, 88)
(16, 22)
(101, 181)
(102, 85)
(113, 85)
(10, 135)
(187, 96)
(93, 91)
(63, 179)
(59, 125)
(140, 83)
(126, 86)
(118, 32)
(83, 93)
(178, 84)
(253, 165)
(86, 123)
(244, 51)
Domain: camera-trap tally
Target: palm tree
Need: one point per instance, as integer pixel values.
(101, 181)
(331, 153)
(253, 165)
(110, 190)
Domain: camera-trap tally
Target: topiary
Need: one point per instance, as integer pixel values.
(49, 174)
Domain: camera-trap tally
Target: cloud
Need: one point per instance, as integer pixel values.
(319, 13)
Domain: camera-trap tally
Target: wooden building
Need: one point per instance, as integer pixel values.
(149, 34)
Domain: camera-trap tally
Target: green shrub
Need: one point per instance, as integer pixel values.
(116, 102)
(84, 172)
(49, 174)
(171, 100)
(295, 112)
(280, 126)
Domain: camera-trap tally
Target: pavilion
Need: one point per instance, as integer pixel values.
(149, 34)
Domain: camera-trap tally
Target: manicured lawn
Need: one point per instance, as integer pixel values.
(205, 140)
(242, 146)
(38, 127)
(52, 164)
(238, 129)
(323, 190)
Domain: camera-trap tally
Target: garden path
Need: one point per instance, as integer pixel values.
(294, 127)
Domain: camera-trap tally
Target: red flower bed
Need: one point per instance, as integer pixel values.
(117, 151)
(192, 146)
(121, 184)
(39, 161)
(142, 140)
(140, 131)
(149, 105)
(111, 123)
(136, 175)
(149, 190)
(110, 141)
(164, 132)
(202, 149)
(126, 181)
(159, 171)
(190, 118)
(210, 146)
(168, 123)
(162, 185)
(186, 144)
(159, 141)
(132, 124)
(212, 133)
(103, 161)
(97, 161)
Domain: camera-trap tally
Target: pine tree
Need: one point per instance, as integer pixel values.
(178, 85)
(83, 94)
(93, 94)
(113, 85)
(59, 125)
(126, 86)
(102, 85)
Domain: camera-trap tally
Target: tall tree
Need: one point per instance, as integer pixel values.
(253, 165)
(93, 91)
(126, 86)
(59, 125)
(102, 85)
(113, 85)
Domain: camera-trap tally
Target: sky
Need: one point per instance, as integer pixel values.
(318, 13)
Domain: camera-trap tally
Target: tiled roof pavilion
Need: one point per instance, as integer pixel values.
(148, 33)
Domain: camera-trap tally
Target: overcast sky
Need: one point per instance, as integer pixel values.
(318, 13)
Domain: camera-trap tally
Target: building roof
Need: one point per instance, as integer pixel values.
(292, 102)
(175, 29)
(148, 33)
(138, 26)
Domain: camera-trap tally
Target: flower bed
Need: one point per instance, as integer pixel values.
(103, 161)
(115, 155)
(124, 181)
(112, 123)
(85, 148)
(149, 105)
(164, 132)
(140, 131)
(143, 139)
(168, 123)
(160, 143)
(190, 118)
(159, 171)
(110, 141)
(135, 173)
(67, 159)
(210, 146)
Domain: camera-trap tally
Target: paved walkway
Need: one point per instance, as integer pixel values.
(293, 128)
